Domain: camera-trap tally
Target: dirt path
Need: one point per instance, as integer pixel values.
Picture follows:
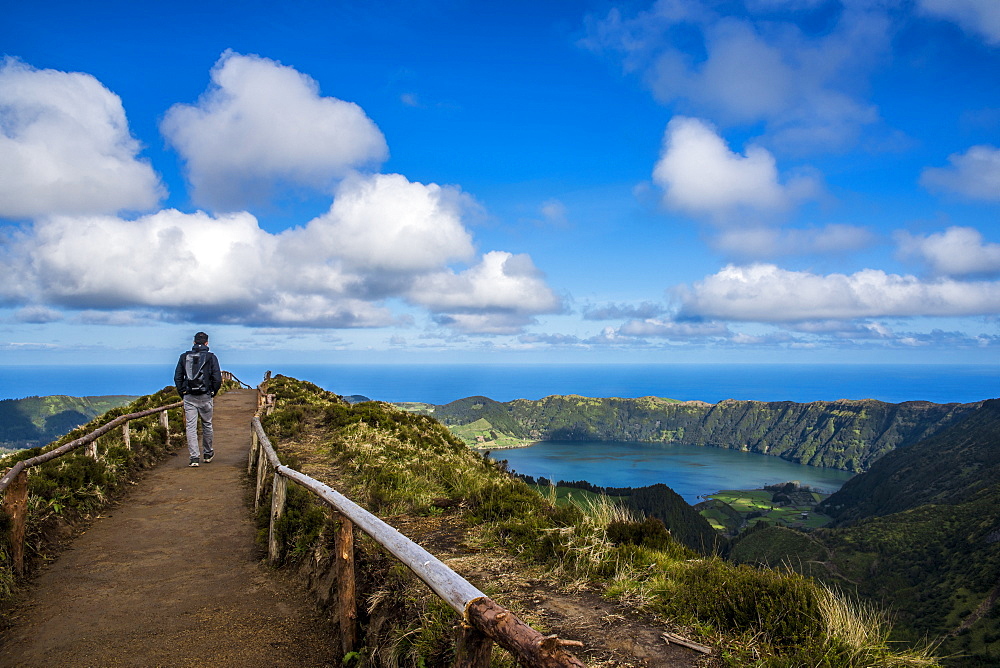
(613, 635)
(171, 577)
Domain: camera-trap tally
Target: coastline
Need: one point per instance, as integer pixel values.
(515, 446)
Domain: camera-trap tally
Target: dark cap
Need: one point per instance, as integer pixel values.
(201, 337)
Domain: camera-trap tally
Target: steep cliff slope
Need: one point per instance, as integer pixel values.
(920, 534)
(843, 434)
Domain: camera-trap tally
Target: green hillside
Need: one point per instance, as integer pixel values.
(920, 534)
(843, 434)
(408, 466)
(35, 421)
(948, 468)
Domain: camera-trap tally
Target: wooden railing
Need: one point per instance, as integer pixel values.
(14, 483)
(229, 377)
(484, 621)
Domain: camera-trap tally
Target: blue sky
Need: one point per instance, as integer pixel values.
(678, 181)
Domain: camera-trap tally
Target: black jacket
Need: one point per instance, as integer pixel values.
(214, 372)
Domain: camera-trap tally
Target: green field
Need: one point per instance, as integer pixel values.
(733, 510)
(482, 435)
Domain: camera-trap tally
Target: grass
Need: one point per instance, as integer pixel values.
(396, 462)
(481, 435)
(746, 507)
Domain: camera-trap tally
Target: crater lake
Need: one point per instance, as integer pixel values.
(689, 470)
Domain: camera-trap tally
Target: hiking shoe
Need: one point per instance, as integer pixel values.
(208, 458)
(194, 462)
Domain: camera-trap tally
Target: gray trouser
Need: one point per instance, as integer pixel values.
(195, 406)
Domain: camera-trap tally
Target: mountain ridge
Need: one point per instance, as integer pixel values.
(846, 434)
(39, 420)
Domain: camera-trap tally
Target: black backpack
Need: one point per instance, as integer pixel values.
(195, 373)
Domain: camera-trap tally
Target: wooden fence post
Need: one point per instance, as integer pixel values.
(92, 448)
(347, 607)
(473, 648)
(165, 423)
(15, 504)
(261, 473)
(254, 444)
(126, 436)
(279, 488)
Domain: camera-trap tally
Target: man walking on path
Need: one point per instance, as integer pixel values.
(198, 378)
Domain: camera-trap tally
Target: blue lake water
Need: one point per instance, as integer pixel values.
(689, 470)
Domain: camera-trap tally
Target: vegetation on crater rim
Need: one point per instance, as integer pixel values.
(395, 462)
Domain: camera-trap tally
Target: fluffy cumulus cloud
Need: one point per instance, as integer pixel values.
(69, 162)
(700, 175)
(974, 174)
(65, 147)
(383, 238)
(807, 89)
(168, 259)
(767, 293)
(385, 222)
(979, 17)
(958, 251)
(502, 283)
(261, 124)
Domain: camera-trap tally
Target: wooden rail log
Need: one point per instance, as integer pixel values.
(14, 483)
(484, 615)
(446, 583)
(529, 646)
(80, 442)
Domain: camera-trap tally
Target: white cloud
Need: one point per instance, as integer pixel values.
(760, 243)
(168, 259)
(766, 293)
(65, 147)
(551, 339)
(317, 310)
(974, 174)
(386, 222)
(117, 318)
(756, 69)
(383, 238)
(980, 17)
(700, 175)
(669, 329)
(262, 124)
(621, 311)
(485, 323)
(37, 315)
(958, 251)
(501, 282)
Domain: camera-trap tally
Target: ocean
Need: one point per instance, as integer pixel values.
(440, 384)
